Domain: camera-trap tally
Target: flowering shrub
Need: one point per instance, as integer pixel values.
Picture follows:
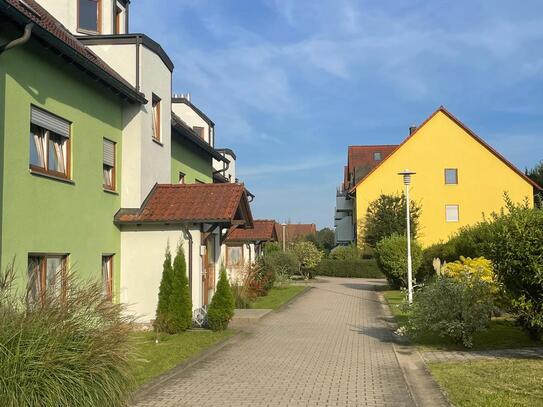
(480, 267)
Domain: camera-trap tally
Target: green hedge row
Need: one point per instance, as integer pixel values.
(363, 268)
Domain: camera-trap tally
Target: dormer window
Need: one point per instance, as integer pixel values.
(89, 16)
(199, 130)
(377, 156)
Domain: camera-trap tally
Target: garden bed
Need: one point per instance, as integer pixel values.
(155, 359)
(501, 334)
(277, 296)
(499, 383)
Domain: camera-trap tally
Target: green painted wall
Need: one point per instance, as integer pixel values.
(190, 160)
(41, 215)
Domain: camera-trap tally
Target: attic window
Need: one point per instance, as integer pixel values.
(199, 130)
(377, 156)
(89, 15)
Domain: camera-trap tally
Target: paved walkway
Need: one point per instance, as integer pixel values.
(329, 348)
(466, 356)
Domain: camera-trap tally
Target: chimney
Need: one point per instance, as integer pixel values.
(412, 129)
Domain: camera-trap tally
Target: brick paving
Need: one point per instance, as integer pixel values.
(329, 348)
(467, 356)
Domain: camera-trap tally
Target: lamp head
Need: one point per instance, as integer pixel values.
(406, 176)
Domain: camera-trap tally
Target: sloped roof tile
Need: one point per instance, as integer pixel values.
(264, 230)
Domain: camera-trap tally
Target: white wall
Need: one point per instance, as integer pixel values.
(249, 252)
(142, 257)
(190, 117)
(230, 173)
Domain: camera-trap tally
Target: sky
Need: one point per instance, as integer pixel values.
(290, 84)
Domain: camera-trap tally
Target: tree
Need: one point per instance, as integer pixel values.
(386, 216)
(324, 239)
(536, 175)
(163, 318)
(180, 302)
(221, 309)
(309, 257)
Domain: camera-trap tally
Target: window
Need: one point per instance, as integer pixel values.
(47, 274)
(234, 256)
(156, 118)
(451, 213)
(199, 131)
(451, 176)
(109, 165)
(181, 178)
(89, 15)
(377, 156)
(49, 144)
(107, 276)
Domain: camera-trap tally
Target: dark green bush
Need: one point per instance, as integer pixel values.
(279, 261)
(271, 247)
(180, 303)
(349, 268)
(515, 247)
(442, 251)
(454, 308)
(391, 256)
(221, 309)
(346, 253)
(68, 349)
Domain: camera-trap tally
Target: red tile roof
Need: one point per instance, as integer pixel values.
(166, 203)
(52, 32)
(263, 231)
(360, 160)
(294, 231)
(467, 130)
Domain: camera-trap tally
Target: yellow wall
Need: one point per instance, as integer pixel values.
(440, 144)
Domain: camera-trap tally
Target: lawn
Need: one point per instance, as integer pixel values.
(277, 297)
(155, 359)
(500, 383)
(502, 332)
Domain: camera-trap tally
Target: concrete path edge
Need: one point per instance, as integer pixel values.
(424, 389)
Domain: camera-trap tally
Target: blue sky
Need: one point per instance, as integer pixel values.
(291, 83)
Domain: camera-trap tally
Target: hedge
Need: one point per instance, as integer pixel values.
(364, 268)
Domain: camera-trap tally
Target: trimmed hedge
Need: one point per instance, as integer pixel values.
(363, 268)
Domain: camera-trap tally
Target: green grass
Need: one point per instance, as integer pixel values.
(502, 332)
(155, 359)
(277, 297)
(499, 383)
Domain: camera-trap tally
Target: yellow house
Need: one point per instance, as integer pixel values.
(458, 177)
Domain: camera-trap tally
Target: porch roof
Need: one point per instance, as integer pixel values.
(194, 203)
(263, 231)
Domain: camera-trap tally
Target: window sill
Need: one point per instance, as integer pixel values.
(110, 191)
(88, 32)
(50, 176)
(158, 142)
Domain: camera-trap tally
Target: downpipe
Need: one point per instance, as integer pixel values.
(18, 41)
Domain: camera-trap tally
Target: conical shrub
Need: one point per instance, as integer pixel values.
(163, 316)
(180, 303)
(221, 309)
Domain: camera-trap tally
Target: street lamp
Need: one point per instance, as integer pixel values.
(407, 181)
(284, 236)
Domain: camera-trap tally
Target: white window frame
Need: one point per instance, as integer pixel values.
(452, 219)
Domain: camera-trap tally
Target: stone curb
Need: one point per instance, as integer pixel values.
(149, 388)
(423, 388)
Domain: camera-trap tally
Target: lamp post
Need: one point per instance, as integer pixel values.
(407, 181)
(284, 236)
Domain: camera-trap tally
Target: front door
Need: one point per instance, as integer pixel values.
(208, 277)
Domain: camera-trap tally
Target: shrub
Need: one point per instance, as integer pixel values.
(386, 216)
(271, 247)
(180, 302)
(68, 349)
(346, 253)
(309, 257)
(515, 249)
(240, 292)
(221, 309)
(453, 308)
(366, 268)
(163, 317)
(445, 252)
(391, 256)
(258, 279)
(478, 267)
(281, 262)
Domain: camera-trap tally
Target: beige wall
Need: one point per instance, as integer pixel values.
(190, 117)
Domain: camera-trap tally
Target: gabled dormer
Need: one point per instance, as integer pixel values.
(90, 17)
